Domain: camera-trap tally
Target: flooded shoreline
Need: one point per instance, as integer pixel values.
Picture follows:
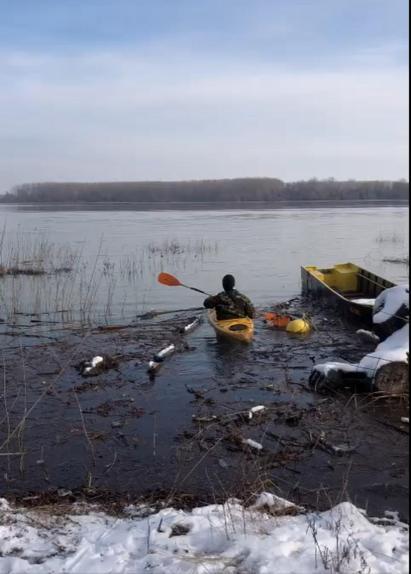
(186, 434)
(111, 258)
(123, 435)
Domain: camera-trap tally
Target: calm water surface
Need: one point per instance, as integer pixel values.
(122, 252)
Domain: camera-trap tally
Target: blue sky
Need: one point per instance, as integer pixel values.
(129, 90)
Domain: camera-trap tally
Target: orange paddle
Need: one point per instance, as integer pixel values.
(171, 281)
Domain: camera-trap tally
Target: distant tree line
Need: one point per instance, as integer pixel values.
(208, 191)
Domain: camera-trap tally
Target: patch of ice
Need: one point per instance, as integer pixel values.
(221, 538)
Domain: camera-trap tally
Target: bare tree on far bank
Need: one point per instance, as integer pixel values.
(232, 191)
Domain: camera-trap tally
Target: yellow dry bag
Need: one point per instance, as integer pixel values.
(299, 326)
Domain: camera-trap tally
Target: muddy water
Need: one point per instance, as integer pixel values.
(124, 435)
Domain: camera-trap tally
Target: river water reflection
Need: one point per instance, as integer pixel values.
(117, 254)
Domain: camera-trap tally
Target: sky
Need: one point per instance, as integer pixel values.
(99, 90)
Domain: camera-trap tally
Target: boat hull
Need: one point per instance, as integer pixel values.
(350, 288)
(238, 329)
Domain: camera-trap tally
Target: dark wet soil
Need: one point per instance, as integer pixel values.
(125, 435)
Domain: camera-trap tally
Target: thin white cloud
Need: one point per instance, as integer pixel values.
(121, 115)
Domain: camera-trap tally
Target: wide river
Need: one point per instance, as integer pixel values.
(151, 428)
(120, 252)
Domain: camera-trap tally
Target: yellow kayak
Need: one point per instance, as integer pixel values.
(239, 329)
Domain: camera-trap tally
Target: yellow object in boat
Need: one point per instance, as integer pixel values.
(299, 326)
(239, 329)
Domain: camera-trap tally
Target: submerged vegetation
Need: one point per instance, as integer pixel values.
(400, 260)
(42, 277)
(389, 238)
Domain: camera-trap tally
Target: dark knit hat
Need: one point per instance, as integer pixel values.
(228, 282)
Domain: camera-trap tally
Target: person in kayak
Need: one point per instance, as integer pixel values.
(230, 303)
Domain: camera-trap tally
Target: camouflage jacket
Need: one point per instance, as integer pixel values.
(229, 305)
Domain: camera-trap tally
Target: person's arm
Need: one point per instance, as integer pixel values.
(249, 308)
(210, 302)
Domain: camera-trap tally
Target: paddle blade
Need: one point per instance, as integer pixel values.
(169, 280)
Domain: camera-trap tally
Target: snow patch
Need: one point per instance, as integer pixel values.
(389, 302)
(213, 539)
(326, 368)
(275, 504)
(394, 348)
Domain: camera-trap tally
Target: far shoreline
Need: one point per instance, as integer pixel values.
(204, 206)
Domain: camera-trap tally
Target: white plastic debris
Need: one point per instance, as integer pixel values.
(342, 449)
(155, 363)
(164, 353)
(153, 366)
(191, 325)
(93, 363)
(253, 444)
(405, 420)
(254, 410)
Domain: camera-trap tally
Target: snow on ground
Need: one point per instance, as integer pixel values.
(389, 302)
(394, 348)
(214, 539)
(327, 368)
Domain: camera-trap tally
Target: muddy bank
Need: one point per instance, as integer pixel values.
(187, 434)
